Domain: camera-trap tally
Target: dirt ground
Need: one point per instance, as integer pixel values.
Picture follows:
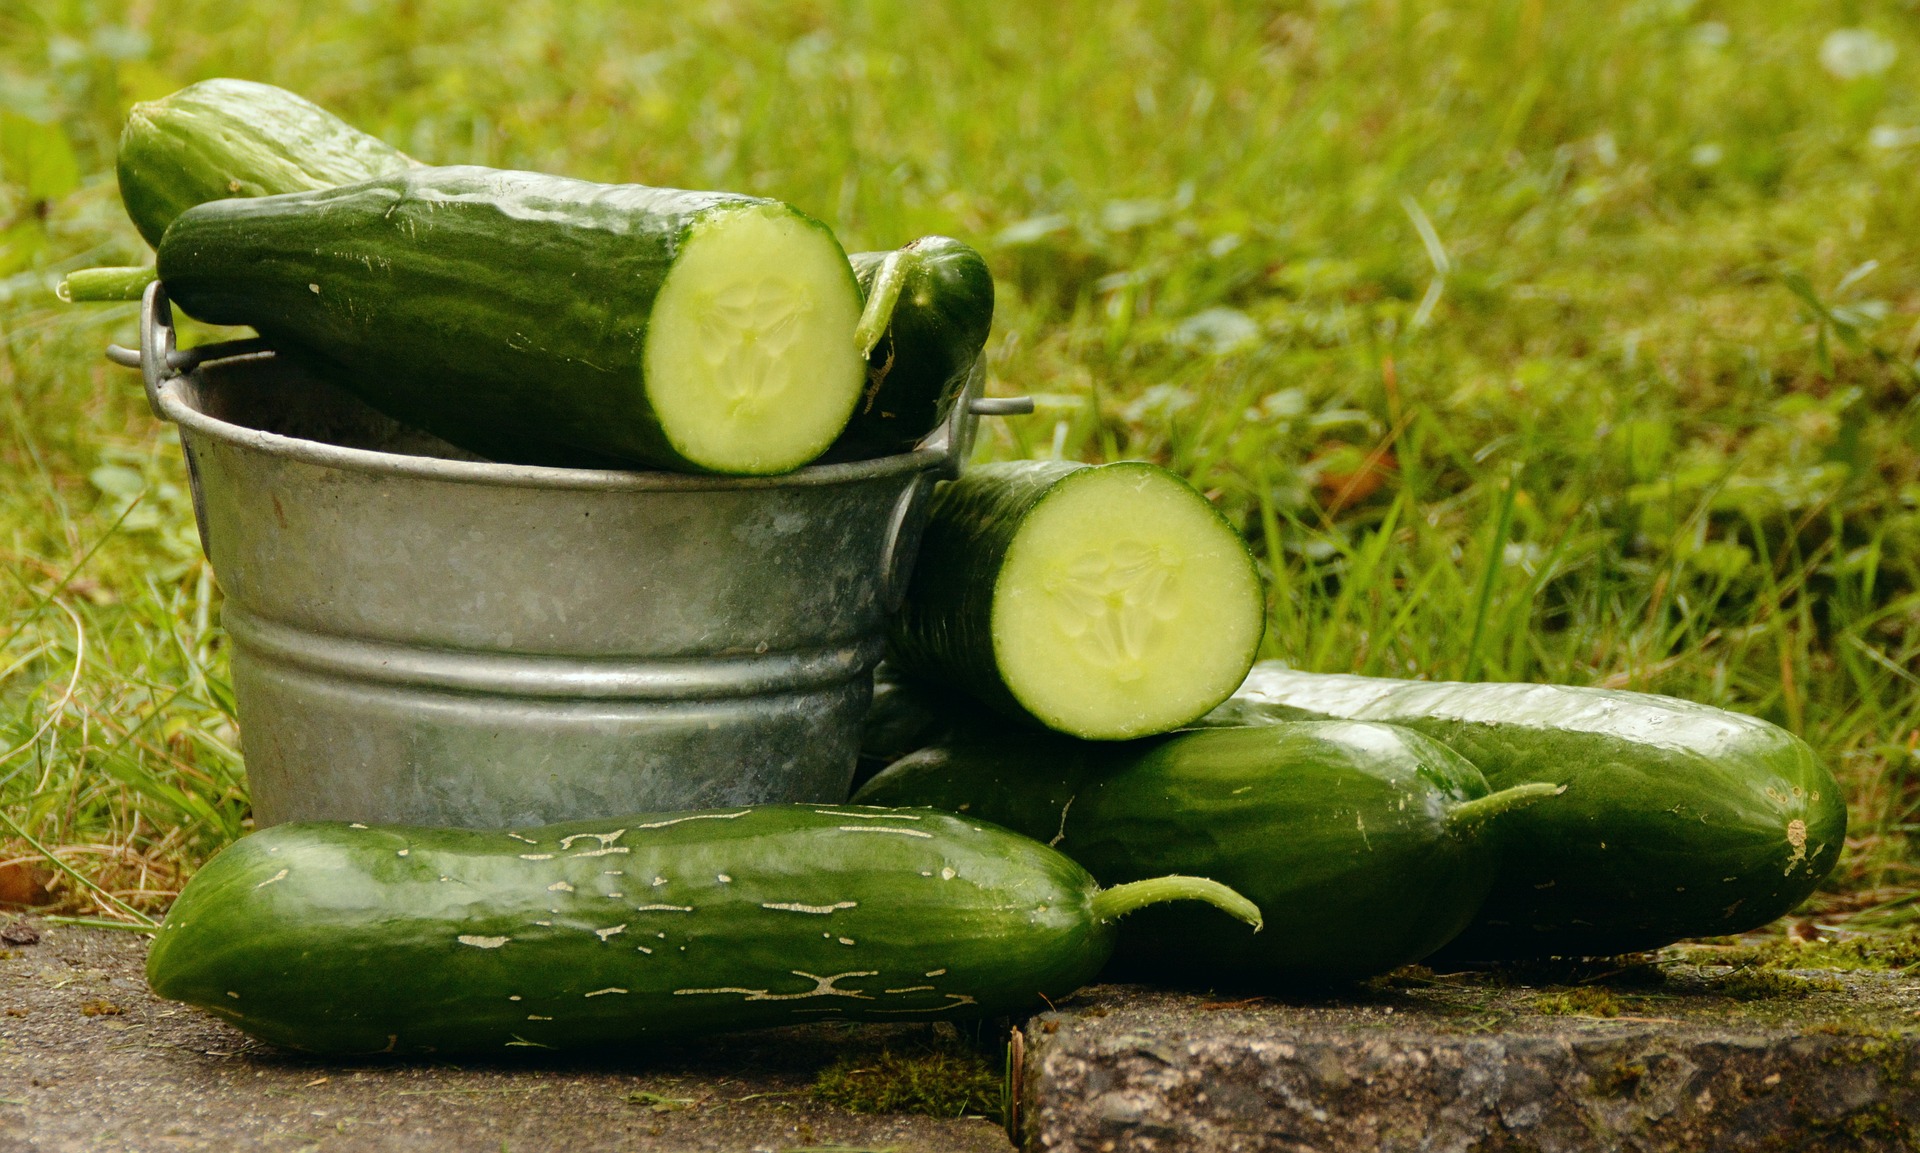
(90, 1060)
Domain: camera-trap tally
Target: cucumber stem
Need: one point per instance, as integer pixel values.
(1506, 800)
(877, 316)
(1123, 899)
(98, 284)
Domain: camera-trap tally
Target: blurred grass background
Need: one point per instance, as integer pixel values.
(1524, 340)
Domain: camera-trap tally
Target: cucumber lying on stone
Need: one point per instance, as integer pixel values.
(1105, 602)
(1367, 845)
(1678, 820)
(541, 320)
(345, 939)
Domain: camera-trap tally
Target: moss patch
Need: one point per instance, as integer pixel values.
(1881, 952)
(944, 1082)
(1584, 1001)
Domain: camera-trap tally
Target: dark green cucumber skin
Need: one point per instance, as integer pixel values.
(906, 716)
(343, 939)
(944, 630)
(917, 370)
(222, 138)
(1337, 830)
(505, 312)
(1675, 822)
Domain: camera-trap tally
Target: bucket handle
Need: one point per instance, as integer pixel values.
(953, 440)
(160, 359)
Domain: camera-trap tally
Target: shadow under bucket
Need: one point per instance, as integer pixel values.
(424, 637)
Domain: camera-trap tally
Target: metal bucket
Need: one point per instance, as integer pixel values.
(422, 636)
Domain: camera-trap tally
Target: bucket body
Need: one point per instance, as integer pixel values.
(424, 637)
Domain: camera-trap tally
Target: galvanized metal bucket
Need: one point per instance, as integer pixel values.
(426, 637)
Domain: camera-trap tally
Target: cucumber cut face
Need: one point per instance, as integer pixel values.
(750, 361)
(1126, 605)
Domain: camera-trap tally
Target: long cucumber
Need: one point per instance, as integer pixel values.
(222, 138)
(345, 939)
(1679, 820)
(1370, 843)
(1105, 602)
(543, 320)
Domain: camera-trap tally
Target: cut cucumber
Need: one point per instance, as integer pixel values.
(752, 319)
(1107, 602)
(541, 320)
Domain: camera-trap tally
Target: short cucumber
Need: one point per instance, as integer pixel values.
(344, 939)
(221, 138)
(1104, 602)
(537, 319)
(918, 366)
(1679, 820)
(1366, 841)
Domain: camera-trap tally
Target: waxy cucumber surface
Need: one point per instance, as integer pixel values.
(1679, 819)
(940, 324)
(541, 320)
(1107, 602)
(346, 939)
(1364, 845)
(224, 138)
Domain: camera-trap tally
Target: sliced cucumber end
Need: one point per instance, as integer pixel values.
(1126, 606)
(750, 361)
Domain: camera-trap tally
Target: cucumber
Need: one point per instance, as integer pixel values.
(1679, 820)
(221, 138)
(1367, 842)
(919, 364)
(541, 320)
(345, 939)
(1104, 602)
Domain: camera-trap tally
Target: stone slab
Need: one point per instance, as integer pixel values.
(90, 1060)
(1708, 1058)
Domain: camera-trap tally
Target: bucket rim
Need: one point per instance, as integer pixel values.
(177, 406)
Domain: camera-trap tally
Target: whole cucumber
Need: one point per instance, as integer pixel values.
(346, 939)
(1679, 819)
(222, 138)
(940, 320)
(1369, 842)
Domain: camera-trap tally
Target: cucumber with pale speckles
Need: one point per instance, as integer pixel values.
(346, 939)
(1679, 819)
(1369, 843)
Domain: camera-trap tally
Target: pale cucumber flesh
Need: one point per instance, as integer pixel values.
(1126, 605)
(750, 361)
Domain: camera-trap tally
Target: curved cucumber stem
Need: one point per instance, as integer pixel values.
(1123, 899)
(96, 284)
(878, 314)
(1505, 801)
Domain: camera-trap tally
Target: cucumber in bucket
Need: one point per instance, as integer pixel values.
(536, 319)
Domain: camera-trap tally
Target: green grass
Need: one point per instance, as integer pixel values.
(1524, 340)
